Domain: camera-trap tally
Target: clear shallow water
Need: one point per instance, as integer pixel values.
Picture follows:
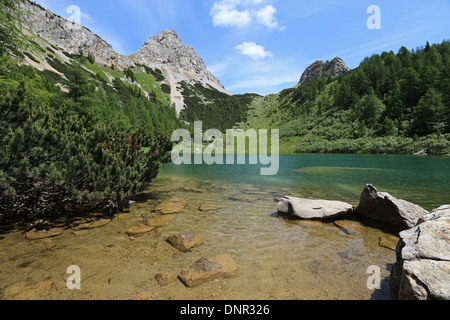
(277, 258)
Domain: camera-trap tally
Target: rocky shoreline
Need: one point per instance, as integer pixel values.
(422, 269)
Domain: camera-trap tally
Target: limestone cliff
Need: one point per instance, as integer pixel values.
(318, 69)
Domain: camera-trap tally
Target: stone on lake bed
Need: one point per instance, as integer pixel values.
(209, 207)
(150, 225)
(171, 206)
(43, 234)
(192, 189)
(206, 270)
(185, 242)
(139, 230)
(313, 209)
(91, 224)
(165, 279)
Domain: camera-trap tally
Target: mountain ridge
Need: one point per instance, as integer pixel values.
(165, 51)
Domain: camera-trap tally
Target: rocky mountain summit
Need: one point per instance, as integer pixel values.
(318, 69)
(168, 50)
(165, 51)
(70, 37)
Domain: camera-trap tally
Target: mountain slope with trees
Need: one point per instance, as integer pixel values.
(74, 133)
(392, 103)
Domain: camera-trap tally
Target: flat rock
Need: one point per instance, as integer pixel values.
(313, 209)
(171, 206)
(206, 270)
(89, 224)
(140, 230)
(209, 207)
(185, 242)
(382, 207)
(43, 234)
(422, 267)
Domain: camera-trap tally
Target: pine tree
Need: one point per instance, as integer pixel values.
(51, 161)
(10, 21)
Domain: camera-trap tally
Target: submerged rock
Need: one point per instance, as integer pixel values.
(139, 230)
(172, 206)
(209, 207)
(185, 242)
(206, 270)
(43, 234)
(313, 209)
(89, 224)
(422, 269)
(382, 207)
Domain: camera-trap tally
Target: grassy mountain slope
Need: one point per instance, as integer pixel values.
(392, 103)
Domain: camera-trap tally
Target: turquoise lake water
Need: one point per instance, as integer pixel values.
(421, 180)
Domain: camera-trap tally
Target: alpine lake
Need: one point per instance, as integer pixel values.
(278, 258)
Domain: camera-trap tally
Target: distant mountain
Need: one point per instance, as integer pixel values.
(166, 52)
(335, 67)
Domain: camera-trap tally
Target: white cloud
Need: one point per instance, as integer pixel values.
(266, 17)
(226, 14)
(253, 50)
(241, 13)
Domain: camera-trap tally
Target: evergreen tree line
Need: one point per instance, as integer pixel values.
(405, 96)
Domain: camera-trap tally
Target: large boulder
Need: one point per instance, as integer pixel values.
(382, 207)
(313, 209)
(422, 269)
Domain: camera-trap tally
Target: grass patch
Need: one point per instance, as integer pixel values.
(97, 70)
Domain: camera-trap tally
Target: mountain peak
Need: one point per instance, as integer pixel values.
(167, 50)
(167, 36)
(319, 69)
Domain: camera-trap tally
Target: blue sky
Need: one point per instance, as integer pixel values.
(263, 46)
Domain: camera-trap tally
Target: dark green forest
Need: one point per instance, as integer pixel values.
(215, 109)
(391, 103)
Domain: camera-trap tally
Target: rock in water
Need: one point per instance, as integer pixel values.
(205, 270)
(422, 269)
(313, 209)
(382, 207)
(171, 206)
(43, 234)
(185, 242)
